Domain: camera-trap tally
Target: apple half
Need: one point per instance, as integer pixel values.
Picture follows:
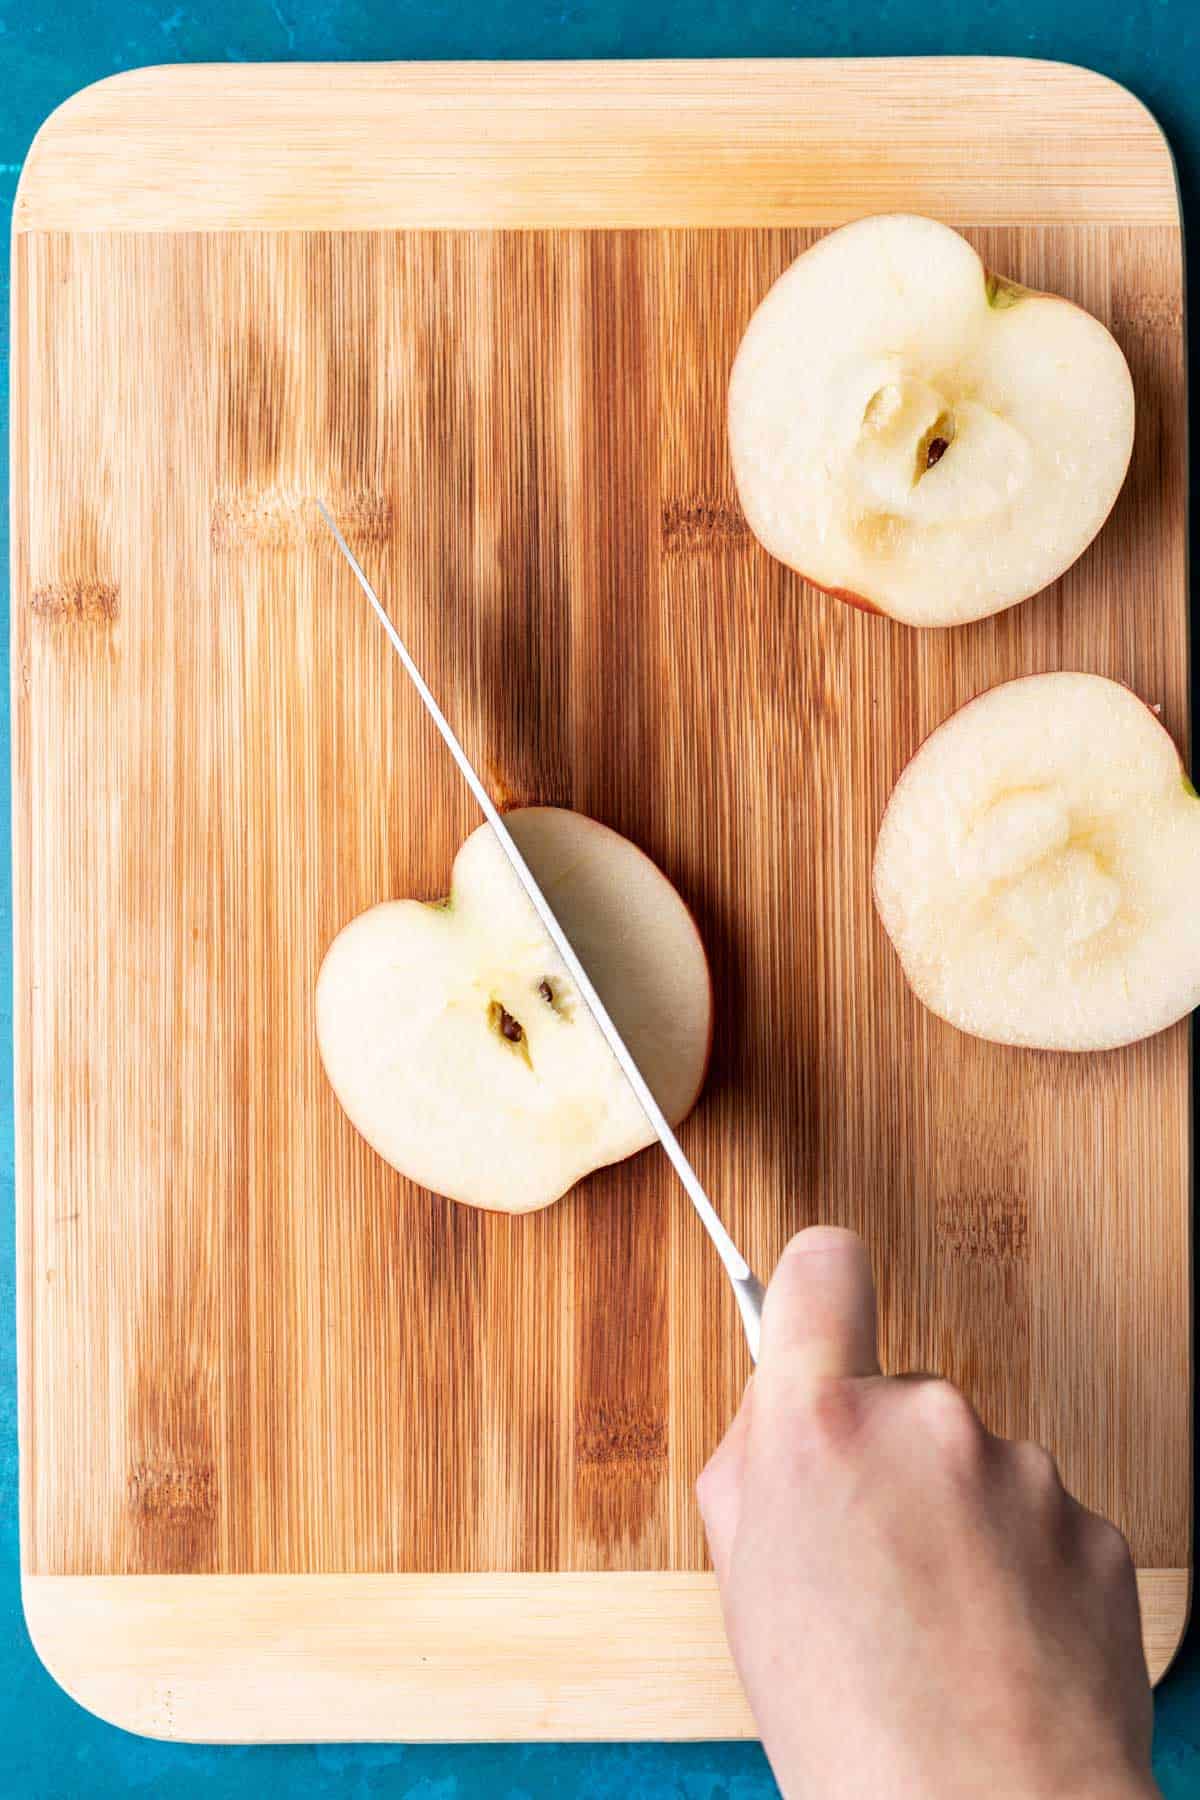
(919, 437)
(457, 1044)
(1038, 865)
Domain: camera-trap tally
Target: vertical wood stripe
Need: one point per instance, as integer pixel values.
(250, 1349)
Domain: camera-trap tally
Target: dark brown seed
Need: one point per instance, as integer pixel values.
(937, 449)
(503, 1022)
(547, 992)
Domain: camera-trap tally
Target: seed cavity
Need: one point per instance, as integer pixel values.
(558, 995)
(505, 1026)
(935, 443)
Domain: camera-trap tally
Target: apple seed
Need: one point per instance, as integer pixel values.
(501, 1020)
(546, 991)
(938, 447)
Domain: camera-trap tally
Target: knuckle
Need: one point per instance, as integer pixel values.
(825, 1414)
(948, 1417)
(1038, 1470)
(1107, 1545)
(834, 1413)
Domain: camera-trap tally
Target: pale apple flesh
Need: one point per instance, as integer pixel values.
(1038, 864)
(919, 437)
(457, 1044)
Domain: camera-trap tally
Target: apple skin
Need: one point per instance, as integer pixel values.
(706, 1062)
(1002, 294)
(1111, 1043)
(584, 867)
(995, 284)
(859, 602)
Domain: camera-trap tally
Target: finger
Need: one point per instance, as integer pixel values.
(1111, 1581)
(720, 1486)
(819, 1314)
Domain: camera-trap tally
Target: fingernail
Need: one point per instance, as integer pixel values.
(818, 1239)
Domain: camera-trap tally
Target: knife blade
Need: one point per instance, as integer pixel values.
(748, 1290)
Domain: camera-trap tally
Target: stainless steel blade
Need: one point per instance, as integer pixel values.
(748, 1290)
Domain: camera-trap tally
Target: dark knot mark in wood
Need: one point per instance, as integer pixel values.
(172, 1493)
(695, 526)
(77, 602)
(984, 1227)
(283, 518)
(609, 1437)
(507, 790)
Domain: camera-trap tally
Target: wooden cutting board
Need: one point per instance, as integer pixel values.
(308, 1452)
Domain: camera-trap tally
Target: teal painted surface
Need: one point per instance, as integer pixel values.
(49, 1748)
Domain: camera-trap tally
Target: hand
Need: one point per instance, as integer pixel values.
(918, 1610)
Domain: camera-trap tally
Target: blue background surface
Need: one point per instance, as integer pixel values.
(49, 1748)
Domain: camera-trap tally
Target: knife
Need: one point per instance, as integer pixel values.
(747, 1289)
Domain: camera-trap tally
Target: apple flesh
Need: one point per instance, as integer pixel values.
(919, 437)
(457, 1043)
(1038, 864)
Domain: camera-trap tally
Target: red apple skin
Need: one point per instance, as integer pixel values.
(862, 604)
(847, 596)
(534, 806)
(859, 601)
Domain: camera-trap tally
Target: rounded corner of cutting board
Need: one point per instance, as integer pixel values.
(83, 1675)
(348, 1657)
(787, 141)
(100, 105)
(392, 1658)
(1128, 112)
(1166, 1598)
(411, 1658)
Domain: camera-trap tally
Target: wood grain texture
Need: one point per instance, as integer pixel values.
(975, 140)
(248, 1348)
(247, 1657)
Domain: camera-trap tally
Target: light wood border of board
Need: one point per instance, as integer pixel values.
(384, 146)
(255, 1658)
(392, 146)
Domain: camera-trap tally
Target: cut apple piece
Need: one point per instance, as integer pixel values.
(457, 1044)
(919, 437)
(1038, 865)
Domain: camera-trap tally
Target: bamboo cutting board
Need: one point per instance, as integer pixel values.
(308, 1452)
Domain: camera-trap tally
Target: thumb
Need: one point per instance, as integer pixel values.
(819, 1315)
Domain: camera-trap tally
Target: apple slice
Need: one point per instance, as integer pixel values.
(455, 1040)
(1038, 865)
(919, 437)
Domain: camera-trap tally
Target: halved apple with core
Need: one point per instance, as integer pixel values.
(1038, 865)
(457, 1044)
(919, 437)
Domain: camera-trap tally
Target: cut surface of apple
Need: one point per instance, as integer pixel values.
(457, 1044)
(919, 437)
(1038, 865)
